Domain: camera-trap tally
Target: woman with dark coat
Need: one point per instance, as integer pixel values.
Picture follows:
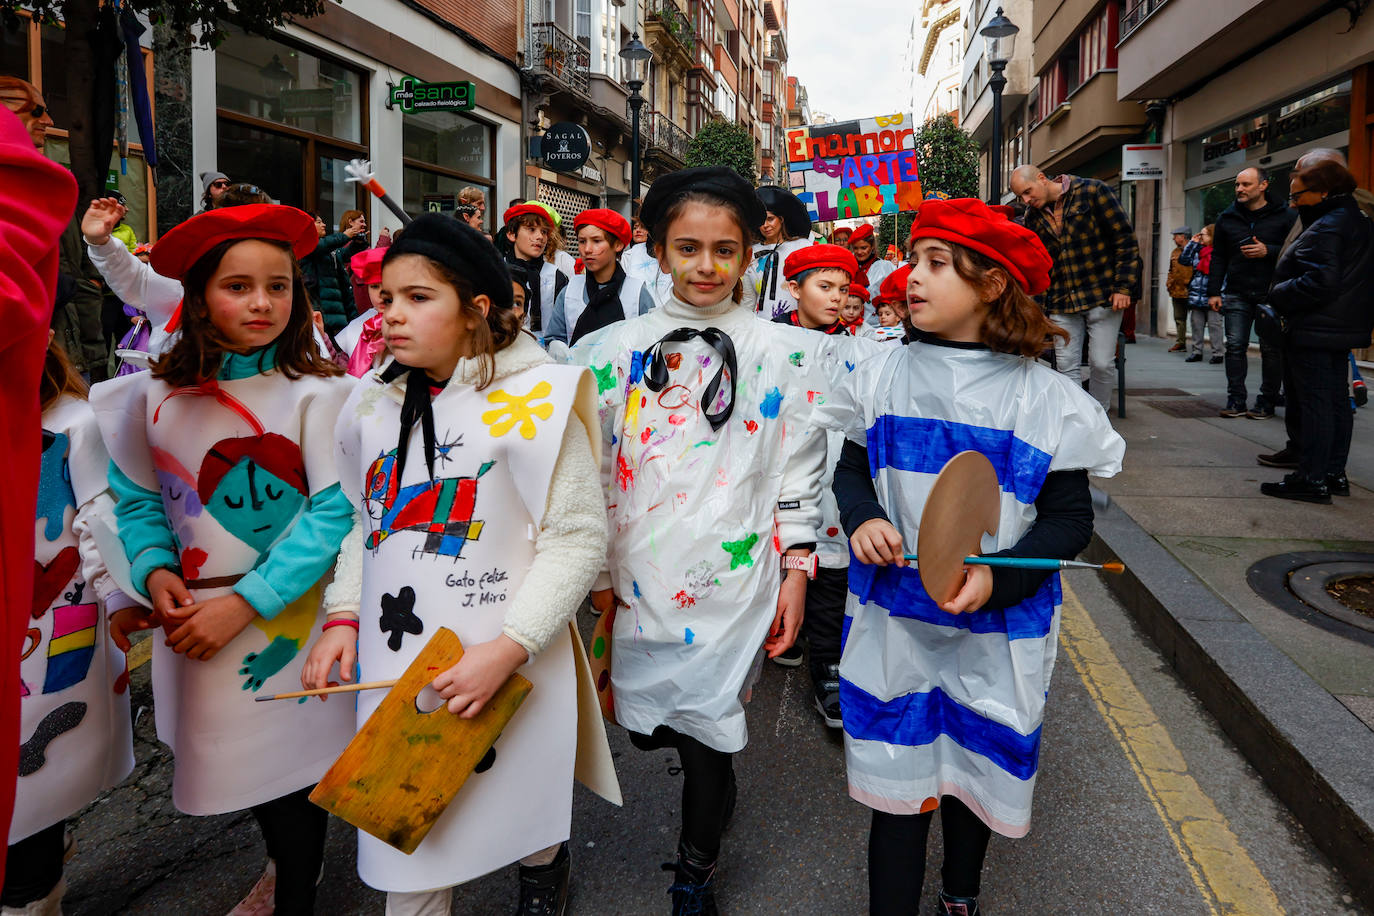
(1323, 292)
(324, 282)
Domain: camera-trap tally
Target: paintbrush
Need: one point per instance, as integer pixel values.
(1036, 563)
(323, 691)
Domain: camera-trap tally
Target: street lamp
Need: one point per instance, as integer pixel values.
(636, 57)
(999, 37)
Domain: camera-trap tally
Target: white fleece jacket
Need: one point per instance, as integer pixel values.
(569, 547)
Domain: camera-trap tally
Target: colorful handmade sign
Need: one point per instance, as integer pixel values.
(852, 169)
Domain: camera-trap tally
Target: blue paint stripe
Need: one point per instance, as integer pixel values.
(917, 719)
(845, 623)
(924, 445)
(898, 590)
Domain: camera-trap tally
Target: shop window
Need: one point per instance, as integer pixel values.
(443, 153)
(289, 121)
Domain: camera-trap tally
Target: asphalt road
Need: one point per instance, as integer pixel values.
(1142, 807)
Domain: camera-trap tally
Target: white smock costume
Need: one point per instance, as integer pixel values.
(74, 733)
(697, 516)
(765, 288)
(241, 466)
(951, 704)
(455, 552)
(638, 262)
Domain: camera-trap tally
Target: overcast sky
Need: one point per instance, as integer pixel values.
(850, 68)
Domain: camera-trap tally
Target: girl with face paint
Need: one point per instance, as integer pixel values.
(231, 514)
(714, 466)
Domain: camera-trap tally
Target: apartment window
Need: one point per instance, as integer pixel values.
(767, 135)
(1097, 43)
(444, 152)
(582, 22)
(609, 35)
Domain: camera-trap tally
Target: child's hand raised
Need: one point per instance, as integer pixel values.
(207, 627)
(469, 685)
(877, 543)
(336, 644)
(974, 593)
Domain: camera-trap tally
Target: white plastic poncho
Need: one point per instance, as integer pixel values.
(697, 516)
(951, 704)
(765, 288)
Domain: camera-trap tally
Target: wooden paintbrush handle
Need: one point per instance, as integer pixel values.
(346, 688)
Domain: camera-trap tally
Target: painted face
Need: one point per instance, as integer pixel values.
(863, 250)
(249, 296)
(597, 249)
(251, 502)
(705, 254)
(530, 241)
(939, 301)
(423, 321)
(820, 297)
(853, 310)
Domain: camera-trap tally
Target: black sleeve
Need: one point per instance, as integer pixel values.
(1062, 528)
(853, 486)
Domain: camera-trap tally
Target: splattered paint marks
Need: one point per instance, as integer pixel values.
(605, 378)
(624, 474)
(752, 426)
(677, 419)
(688, 636)
(674, 360)
(739, 551)
(795, 358)
(771, 402)
(683, 600)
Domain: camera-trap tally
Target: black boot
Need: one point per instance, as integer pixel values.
(694, 886)
(544, 888)
(1338, 484)
(949, 905)
(1297, 486)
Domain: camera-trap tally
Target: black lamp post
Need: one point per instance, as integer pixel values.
(999, 37)
(636, 57)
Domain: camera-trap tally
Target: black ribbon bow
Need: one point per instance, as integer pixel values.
(771, 261)
(418, 405)
(656, 369)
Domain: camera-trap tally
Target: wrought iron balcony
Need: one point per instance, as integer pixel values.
(555, 52)
(677, 24)
(1135, 12)
(671, 138)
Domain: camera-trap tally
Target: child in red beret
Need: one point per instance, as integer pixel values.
(852, 313)
(872, 269)
(943, 703)
(602, 294)
(818, 278)
(230, 511)
(528, 231)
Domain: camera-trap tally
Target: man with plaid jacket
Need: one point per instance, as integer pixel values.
(1096, 271)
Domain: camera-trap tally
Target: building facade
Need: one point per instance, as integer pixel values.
(975, 93)
(939, 63)
(1246, 83)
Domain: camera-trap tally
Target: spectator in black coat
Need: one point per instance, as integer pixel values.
(1323, 291)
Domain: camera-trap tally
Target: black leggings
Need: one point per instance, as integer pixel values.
(33, 866)
(707, 777)
(897, 856)
(294, 828)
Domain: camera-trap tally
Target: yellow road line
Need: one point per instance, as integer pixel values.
(1225, 875)
(141, 651)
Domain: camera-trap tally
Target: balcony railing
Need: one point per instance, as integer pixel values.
(675, 22)
(555, 52)
(768, 99)
(1135, 12)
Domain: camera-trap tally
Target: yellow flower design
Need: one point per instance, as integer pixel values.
(518, 409)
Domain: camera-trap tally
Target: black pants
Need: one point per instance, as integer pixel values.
(707, 775)
(897, 857)
(824, 620)
(294, 828)
(1319, 395)
(1239, 315)
(33, 866)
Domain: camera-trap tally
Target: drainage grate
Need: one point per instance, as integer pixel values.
(1192, 407)
(1157, 393)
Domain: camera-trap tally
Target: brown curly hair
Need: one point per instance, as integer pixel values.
(1014, 322)
(196, 356)
(59, 377)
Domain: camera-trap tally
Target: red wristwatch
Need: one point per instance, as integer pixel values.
(806, 564)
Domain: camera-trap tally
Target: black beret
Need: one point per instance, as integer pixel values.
(460, 248)
(784, 204)
(716, 180)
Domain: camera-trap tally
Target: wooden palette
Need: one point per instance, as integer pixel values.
(404, 767)
(964, 503)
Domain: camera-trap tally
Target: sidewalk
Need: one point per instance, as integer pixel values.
(1292, 686)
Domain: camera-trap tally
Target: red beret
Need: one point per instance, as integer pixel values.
(860, 291)
(838, 229)
(970, 222)
(865, 231)
(178, 250)
(525, 209)
(893, 287)
(820, 257)
(367, 265)
(615, 225)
